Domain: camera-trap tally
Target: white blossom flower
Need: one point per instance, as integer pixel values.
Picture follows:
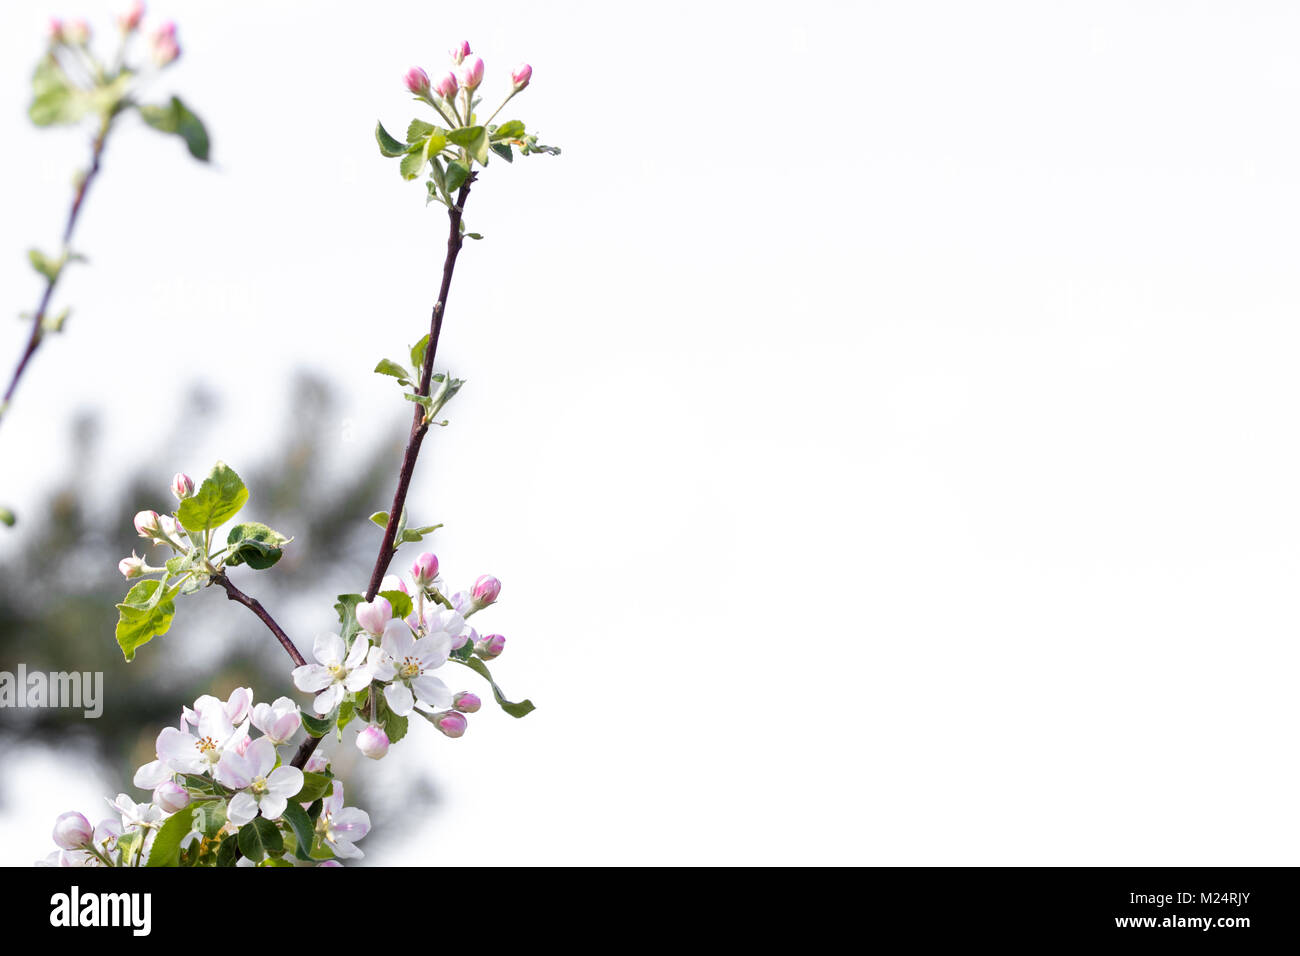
(183, 752)
(262, 789)
(406, 662)
(279, 721)
(335, 674)
(342, 826)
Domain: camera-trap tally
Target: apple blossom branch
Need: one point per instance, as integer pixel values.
(419, 423)
(52, 278)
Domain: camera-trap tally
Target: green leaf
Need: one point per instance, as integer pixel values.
(176, 118)
(473, 235)
(346, 606)
(7, 517)
(213, 819)
(504, 151)
(303, 829)
(412, 163)
(514, 710)
(418, 131)
(418, 350)
(388, 145)
(226, 852)
(511, 130)
(45, 265)
(314, 786)
(389, 367)
(402, 606)
(466, 136)
(166, 849)
(218, 500)
(395, 727)
(145, 613)
(260, 838)
(457, 173)
(54, 99)
(319, 726)
(254, 544)
(411, 535)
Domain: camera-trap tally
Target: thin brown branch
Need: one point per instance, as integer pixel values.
(418, 429)
(418, 425)
(254, 605)
(38, 318)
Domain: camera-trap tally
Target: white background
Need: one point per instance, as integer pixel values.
(883, 416)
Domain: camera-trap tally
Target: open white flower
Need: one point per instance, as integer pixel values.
(335, 674)
(406, 662)
(183, 752)
(262, 789)
(342, 826)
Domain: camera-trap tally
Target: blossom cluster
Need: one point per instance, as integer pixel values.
(396, 651)
(222, 796)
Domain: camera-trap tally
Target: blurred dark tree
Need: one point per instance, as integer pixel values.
(214, 645)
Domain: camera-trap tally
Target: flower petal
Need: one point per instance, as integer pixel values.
(399, 699)
(242, 809)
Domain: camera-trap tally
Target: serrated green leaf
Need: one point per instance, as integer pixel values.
(514, 710)
(303, 829)
(144, 614)
(54, 99)
(314, 786)
(218, 500)
(176, 118)
(457, 173)
(166, 850)
(389, 367)
(260, 838)
(504, 151)
(412, 163)
(418, 131)
(402, 606)
(388, 145)
(319, 726)
(418, 350)
(254, 544)
(511, 130)
(346, 607)
(226, 855)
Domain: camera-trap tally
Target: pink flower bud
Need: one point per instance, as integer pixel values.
(425, 569)
(169, 527)
(72, 831)
(450, 723)
(460, 51)
(373, 616)
(490, 646)
(170, 796)
(392, 582)
(446, 85)
(146, 523)
(130, 19)
(521, 76)
(467, 703)
(373, 742)
(486, 590)
(417, 81)
(56, 30)
(182, 486)
(165, 47)
(132, 567)
(470, 73)
(77, 32)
